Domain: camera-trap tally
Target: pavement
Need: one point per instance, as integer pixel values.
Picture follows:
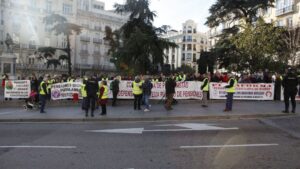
(66, 111)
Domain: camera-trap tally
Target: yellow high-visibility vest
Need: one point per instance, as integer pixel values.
(206, 87)
(42, 92)
(104, 79)
(136, 88)
(232, 89)
(83, 91)
(105, 93)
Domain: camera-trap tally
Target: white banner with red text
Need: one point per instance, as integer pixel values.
(244, 91)
(183, 90)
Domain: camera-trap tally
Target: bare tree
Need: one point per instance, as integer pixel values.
(291, 40)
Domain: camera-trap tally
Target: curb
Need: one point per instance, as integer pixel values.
(145, 119)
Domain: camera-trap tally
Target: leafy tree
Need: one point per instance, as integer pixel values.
(61, 26)
(136, 47)
(236, 10)
(206, 62)
(291, 45)
(48, 53)
(259, 45)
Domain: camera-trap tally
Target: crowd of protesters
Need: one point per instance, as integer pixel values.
(142, 85)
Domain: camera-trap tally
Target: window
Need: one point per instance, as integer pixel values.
(183, 57)
(190, 29)
(280, 23)
(48, 6)
(183, 47)
(189, 57)
(67, 9)
(6, 68)
(99, 7)
(194, 48)
(289, 22)
(189, 47)
(83, 5)
(189, 38)
(194, 57)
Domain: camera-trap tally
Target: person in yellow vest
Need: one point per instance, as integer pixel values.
(230, 90)
(83, 93)
(137, 92)
(50, 82)
(205, 89)
(43, 95)
(103, 97)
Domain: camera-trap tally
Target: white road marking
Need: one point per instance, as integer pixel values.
(228, 146)
(187, 126)
(4, 113)
(41, 147)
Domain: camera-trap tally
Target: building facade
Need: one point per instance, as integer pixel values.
(190, 42)
(23, 21)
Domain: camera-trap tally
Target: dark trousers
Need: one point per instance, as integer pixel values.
(137, 101)
(287, 96)
(229, 101)
(42, 99)
(169, 101)
(115, 95)
(103, 107)
(83, 107)
(90, 102)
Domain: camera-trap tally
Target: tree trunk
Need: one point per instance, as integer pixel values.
(69, 56)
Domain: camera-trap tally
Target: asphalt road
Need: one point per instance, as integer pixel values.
(231, 144)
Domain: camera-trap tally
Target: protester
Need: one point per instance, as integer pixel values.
(83, 93)
(170, 91)
(147, 87)
(290, 83)
(43, 92)
(114, 87)
(230, 92)
(205, 89)
(92, 88)
(278, 84)
(103, 97)
(137, 92)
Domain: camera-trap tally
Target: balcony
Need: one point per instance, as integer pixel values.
(285, 10)
(26, 66)
(97, 40)
(98, 28)
(95, 67)
(85, 38)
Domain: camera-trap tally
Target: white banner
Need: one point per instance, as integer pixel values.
(17, 89)
(65, 90)
(184, 90)
(244, 91)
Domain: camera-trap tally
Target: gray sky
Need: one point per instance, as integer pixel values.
(176, 12)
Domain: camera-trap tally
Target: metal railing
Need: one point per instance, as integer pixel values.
(285, 10)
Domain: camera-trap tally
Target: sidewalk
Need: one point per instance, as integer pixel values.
(185, 110)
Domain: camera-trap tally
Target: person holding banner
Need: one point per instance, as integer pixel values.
(230, 92)
(205, 89)
(43, 92)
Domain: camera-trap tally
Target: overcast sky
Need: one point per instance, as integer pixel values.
(175, 12)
